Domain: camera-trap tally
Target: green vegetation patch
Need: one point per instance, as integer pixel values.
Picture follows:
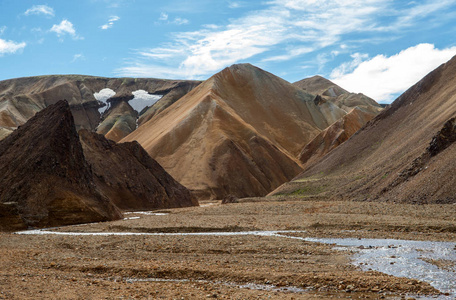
(304, 191)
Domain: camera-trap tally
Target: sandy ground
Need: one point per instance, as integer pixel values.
(200, 267)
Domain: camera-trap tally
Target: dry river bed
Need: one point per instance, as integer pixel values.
(256, 249)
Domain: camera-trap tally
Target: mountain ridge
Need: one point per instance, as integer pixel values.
(21, 98)
(370, 165)
(223, 119)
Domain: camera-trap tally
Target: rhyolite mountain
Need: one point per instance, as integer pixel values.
(238, 133)
(359, 108)
(329, 91)
(405, 154)
(50, 178)
(21, 98)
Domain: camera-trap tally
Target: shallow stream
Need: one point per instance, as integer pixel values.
(403, 258)
(432, 262)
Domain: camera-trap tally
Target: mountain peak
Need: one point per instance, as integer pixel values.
(319, 85)
(45, 174)
(243, 121)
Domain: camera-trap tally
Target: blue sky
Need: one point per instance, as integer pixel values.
(377, 47)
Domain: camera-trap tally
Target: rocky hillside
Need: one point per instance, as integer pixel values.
(405, 154)
(50, 179)
(129, 177)
(333, 136)
(21, 98)
(46, 180)
(238, 133)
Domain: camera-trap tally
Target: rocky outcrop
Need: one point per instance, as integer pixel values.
(46, 180)
(229, 199)
(444, 138)
(357, 110)
(237, 133)
(129, 177)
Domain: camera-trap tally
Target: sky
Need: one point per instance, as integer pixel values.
(376, 47)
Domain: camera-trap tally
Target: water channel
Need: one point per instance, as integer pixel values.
(403, 258)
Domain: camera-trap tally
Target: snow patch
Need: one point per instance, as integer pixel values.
(103, 96)
(132, 218)
(147, 213)
(143, 99)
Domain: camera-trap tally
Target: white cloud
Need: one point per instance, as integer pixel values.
(78, 56)
(383, 78)
(292, 53)
(349, 66)
(180, 21)
(65, 27)
(209, 50)
(148, 70)
(236, 4)
(10, 47)
(110, 23)
(409, 17)
(2, 29)
(304, 26)
(160, 53)
(40, 10)
(163, 17)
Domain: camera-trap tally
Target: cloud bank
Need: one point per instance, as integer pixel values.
(281, 31)
(383, 78)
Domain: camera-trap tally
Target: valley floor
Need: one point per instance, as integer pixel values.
(238, 266)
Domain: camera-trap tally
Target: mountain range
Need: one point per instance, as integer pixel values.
(405, 154)
(243, 121)
(22, 98)
(239, 133)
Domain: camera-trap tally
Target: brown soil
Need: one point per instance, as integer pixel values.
(112, 267)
